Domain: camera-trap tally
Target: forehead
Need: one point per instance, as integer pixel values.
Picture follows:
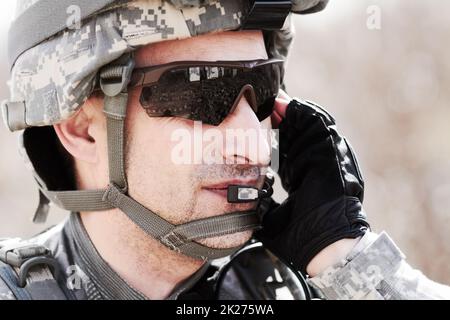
(232, 45)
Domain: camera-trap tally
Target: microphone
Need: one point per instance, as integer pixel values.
(244, 194)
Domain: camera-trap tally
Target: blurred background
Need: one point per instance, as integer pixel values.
(381, 67)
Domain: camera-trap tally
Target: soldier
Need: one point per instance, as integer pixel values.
(98, 99)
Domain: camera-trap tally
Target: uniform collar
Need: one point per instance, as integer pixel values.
(105, 283)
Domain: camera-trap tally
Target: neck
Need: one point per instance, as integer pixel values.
(144, 263)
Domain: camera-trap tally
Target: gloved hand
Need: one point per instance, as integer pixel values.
(320, 172)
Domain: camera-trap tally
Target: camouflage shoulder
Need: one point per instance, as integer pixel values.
(364, 274)
(5, 291)
(376, 269)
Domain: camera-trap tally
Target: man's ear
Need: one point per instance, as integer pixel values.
(74, 134)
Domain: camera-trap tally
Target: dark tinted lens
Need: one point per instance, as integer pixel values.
(207, 93)
(265, 109)
(198, 93)
(266, 89)
(172, 95)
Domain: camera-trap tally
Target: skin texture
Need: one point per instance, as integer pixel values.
(178, 193)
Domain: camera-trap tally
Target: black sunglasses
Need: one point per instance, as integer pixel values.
(208, 91)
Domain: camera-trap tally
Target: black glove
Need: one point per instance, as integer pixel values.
(321, 175)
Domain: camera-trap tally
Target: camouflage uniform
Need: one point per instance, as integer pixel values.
(376, 269)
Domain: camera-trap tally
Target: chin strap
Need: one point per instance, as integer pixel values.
(114, 80)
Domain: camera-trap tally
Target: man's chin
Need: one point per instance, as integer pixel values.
(227, 241)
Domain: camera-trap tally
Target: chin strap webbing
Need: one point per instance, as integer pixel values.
(114, 80)
(181, 237)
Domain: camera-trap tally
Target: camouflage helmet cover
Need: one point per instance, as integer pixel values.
(50, 81)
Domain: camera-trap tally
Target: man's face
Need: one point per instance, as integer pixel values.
(181, 192)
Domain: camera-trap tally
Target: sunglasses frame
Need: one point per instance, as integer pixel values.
(147, 76)
(150, 75)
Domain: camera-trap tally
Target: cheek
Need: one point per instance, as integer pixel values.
(150, 139)
(154, 179)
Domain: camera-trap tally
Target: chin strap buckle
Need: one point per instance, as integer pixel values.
(24, 256)
(115, 77)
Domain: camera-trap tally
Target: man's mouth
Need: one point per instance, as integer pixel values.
(221, 189)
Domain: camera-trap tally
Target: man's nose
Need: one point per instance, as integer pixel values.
(247, 139)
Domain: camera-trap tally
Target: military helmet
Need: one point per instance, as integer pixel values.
(85, 44)
(54, 68)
